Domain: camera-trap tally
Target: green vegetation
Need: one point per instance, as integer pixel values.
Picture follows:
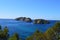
(52, 33)
(4, 35)
(14, 37)
(37, 36)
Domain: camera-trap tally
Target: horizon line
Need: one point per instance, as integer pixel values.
(31, 18)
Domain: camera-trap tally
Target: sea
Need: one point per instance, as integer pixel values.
(24, 29)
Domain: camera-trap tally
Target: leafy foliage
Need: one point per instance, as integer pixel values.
(54, 32)
(14, 37)
(36, 36)
(4, 35)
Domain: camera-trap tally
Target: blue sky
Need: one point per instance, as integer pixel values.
(43, 9)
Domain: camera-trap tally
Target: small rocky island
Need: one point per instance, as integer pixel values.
(35, 21)
(24, 19)
(41, 21)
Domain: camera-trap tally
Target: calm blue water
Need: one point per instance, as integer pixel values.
(24, 29)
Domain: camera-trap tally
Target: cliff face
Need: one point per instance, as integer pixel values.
(28, 20)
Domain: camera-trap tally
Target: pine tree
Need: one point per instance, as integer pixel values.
(5, 33)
